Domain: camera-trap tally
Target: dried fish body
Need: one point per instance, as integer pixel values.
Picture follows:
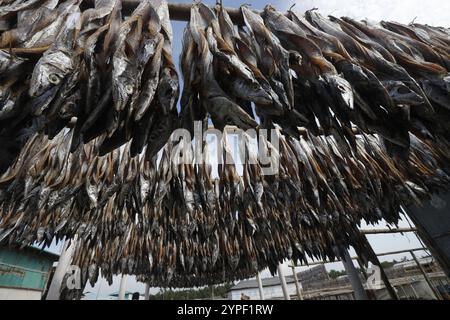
(56, 63)
(175, 225)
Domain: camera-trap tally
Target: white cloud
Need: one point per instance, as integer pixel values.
(432, 12)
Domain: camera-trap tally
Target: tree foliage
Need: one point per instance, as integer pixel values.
(209, 292)
(334, 274)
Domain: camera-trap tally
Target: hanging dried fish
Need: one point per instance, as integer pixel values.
(88, 103)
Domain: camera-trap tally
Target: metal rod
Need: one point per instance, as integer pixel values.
(260, 286)
(283, 283)
(64, 262)
(297, 284)
(355, 280)
(422, 270)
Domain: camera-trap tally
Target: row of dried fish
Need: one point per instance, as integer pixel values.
(176, 224)
(328, 75)
(113, 76)
(106, 75)
(102, 98)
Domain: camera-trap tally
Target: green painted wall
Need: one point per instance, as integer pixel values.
(27, 268)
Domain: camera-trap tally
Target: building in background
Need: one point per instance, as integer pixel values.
(272, 286)
(272, 289)
(316, 284)
(24, 273)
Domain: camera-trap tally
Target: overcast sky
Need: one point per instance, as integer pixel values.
(432, 12)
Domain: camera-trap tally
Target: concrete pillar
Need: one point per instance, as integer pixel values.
(147, 291)
(123, 287)
(283, 283)
(260, 287)
(65, 259)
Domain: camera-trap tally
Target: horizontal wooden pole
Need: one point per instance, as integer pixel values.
(27, 51)
(179, 11)
(182, 12)
(354, 258)
(384, 231)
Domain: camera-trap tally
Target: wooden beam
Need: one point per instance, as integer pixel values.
(182, 12)
(314, 263)
(179, 11)
(384, 231)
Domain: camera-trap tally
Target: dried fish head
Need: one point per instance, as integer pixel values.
(402, 94)
(250, 91)
(49, 72)
(56, 63)
(341, 90)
